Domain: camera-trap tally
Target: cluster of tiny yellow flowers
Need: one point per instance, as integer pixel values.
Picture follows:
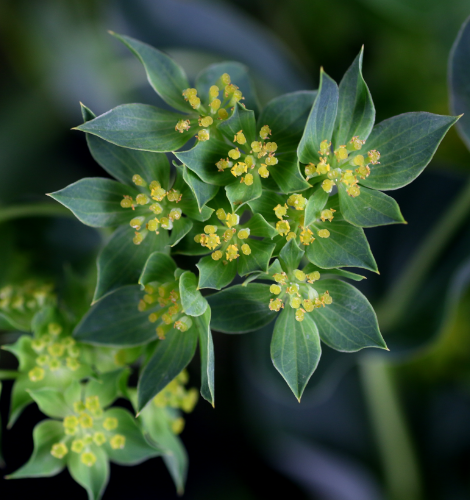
(291, 217)
(217, 106)
(342, 166)
(86, 428)
(54, 353)
(166, 300)
(161, 203)
(225, 238)
(26, 297)
(175, 395)
(295, 289)
(261, 156)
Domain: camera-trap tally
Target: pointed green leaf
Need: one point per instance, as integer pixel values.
(93, 479)
(166, 77)
(349, 323)
(187, 246)
(291, 255)
(239, 193)
(239, 76)
(265, 204)
(97, 202)
(51, 402)
(42, 463)
(194, 304)
(310, 268)
(258, 226)
(160, 268)
(116, 321)
(203, 192)
(406, 144)
(295, 349)
(206, 348)
(139, 126)
(241, 119)
(286, 116)
(202, 161)
(459, 80)
(356, 112)
(170, 357)
(316, 203)
(287, 174)
(241, 309)
(20, 399)
(321, 120)
(123, 163)
(121, 262)
(346, 246)
(258, 260)
(181, 228)
(216, 273)
(371, 208)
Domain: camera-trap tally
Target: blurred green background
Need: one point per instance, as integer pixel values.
(369, 428)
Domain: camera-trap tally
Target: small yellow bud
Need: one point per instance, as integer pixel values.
(110, 423)
(246, 249)
(237, 96)
(295, 302)
(207, 121)
(363, 171)
(327, 185)
(42, 360)
(230, 89)
(223, 164)
(36, 374)
(325, 148)
(183, 126)
(348, 177)
(232, 252)
(158, 193)
(160, 333)
(234, 154)
(167, 319)
(323, 167)
(77, 445)
(308, 305)
(153, 317)
(153, 224)
(232, 220)
(264, 132)
(199, 238)
(212, 242)
(326, 298)
(117, 442)
(156, 208)
(356, 143)
(243, 233)
(86, 421)
(70, 421)
(99, 438)
(210, 229)
(174, 195)
(137, 222)
(78, 407)
(327, 214)
(228, 234)
(166, 223)
(373, 156)
(221, 215)
(203, 135)
(280, 278)
(239, 169)
(299, 315)
(300, 275)
(195, 102)
(189, 93)
(306, 236)
(291, 236)
(59, 450)
(248, 179)
(297, 201)
(223, 115)
(217, 255)
(324, 233)
(341, 153)
(282, 227)
(175, 214)
(177, 425)
(310, 170)
(184, 324)
(142, 199)
(54, 329)
(138, 238)
(314, 276)
(256, 146)
(271, 147)
(88, 458)
(271, 160)
(56, 350)
(280, 211)
(353, 190)
(263, 171)
(154, 185)
(214, 91)
(276, 289)
(92, 403)
(138, 181)
(72, 364)
(240, 137)
(126, 202)
(54, 364)
(215, 105)
(358, 160)
(225, 79)
(275, 304)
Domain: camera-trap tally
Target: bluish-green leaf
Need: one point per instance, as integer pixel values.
(181, 228)
(241, 119)
(286, 116)
(166, 77)
(203, 192)
(459, 80)
(116, 321)
(170, 357)
(346, 246)
(194, 304)
(42, 463)
(206, 348)
(265, 204)
(97, 202)
(239, 193)
(93, 479)
(241, 309)
(121, 262)
(258, 226)
(356, 112)
(371, 208)
(239, 76)
(316, 203)
(349, 323)
(124, 163)
(291, 255)
(258, 260)
(295, 349)
(310, 268)
(287, 174)
(216, 273)
(321, 120)
(188, 202)
(51, 402)
(406, 144)
(159, 267)
(139, 126)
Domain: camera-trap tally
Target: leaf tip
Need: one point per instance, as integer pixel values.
(111, 32)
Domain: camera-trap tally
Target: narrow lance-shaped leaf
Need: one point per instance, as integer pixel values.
(165, 76)
(194, 304)
(287, 174)
(316, 203)
(406, 144)
(295, 349)
(181, 228)
(206, 348)
(291, 255)
(138, 126)
(321, 120)
(349, 323)
(203, 192)
(356, 112)
(371, 208)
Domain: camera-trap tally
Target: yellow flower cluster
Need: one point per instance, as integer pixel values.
(344, 166)
(54, 353)
(225, 238)
(28, 297)
(86, 428)
(161, 203)
(296, 291)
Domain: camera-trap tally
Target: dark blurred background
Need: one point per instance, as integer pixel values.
(370, 427)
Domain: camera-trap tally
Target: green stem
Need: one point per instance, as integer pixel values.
(33, 210)
(399, 462)
(8, 374)
(401, 293)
